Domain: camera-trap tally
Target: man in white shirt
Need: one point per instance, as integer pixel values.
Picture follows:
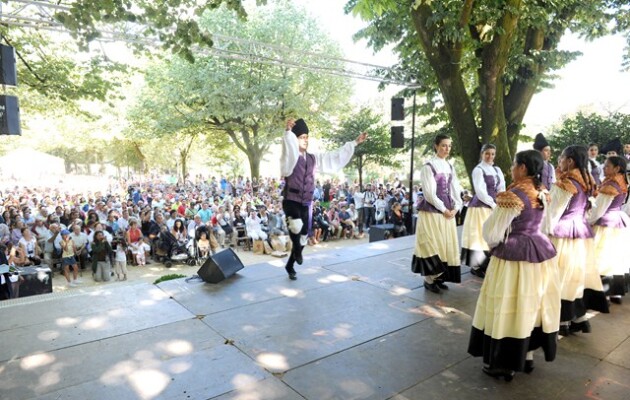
(298, 168)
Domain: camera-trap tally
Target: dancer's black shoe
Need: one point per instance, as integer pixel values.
(440, 284)
(584, 327)
(431, 287)
(506, 374)
(564, 330)
(291, 272)
(529, 366)
(478, 273)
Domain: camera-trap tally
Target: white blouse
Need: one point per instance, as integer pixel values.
(479, 183)
(429, 186)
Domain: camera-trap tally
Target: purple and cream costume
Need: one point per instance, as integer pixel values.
(518, 309)
(437, 248)
(573, 238)
(488, 181)
(299, 173)
(612, 235)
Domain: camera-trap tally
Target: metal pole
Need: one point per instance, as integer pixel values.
(413, 138)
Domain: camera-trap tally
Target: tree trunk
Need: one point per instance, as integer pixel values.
(360, 165)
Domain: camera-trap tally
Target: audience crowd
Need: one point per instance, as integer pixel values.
(132, 220)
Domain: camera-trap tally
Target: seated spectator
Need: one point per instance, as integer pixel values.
(397, 218)
(5, 234)
(136, 243)
(254, 227)
(29, 248)
(16, 231)
(80, 240)
(334, 222)
(346, 221)
(179, 231)
(194, 225)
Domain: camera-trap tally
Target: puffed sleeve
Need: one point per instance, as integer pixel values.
(429, 188)
(561, 194)
(290, 153)
(607, 194)
(333, 161)
(481, 191)
(497, 226)
(456, 191)
(501, 181)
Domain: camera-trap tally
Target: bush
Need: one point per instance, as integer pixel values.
(168, 278)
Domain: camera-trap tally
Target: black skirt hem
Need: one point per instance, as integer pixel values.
(434, 266)
(510, 353)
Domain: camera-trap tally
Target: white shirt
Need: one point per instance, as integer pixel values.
(358, 200)
(429, 186)
(329, 162)
(479, 184)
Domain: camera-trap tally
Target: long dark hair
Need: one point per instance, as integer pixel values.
(579, 155)
(533, 161)
(620, 162)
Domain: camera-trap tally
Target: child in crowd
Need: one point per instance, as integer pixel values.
(68, 259)
(120, 261)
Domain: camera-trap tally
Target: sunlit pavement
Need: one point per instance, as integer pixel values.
(355, 325)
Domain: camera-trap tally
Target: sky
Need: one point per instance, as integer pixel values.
(593, 82)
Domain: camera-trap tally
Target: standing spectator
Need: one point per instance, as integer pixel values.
(101, 250)
(369, 198)
(120, 261)
(68, 259)
(358, 201)
(80, 240)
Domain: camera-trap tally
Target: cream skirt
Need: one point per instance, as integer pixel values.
(472, 238)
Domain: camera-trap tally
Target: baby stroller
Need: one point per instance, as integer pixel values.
(169, 250)
(197, 253)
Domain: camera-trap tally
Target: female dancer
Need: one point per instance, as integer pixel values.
(573, 238)
(518, 309)
(488, 180)
(612, 228)
(436, 255)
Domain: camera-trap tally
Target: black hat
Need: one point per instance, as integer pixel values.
(613, 145)
(540, 142)
(300, 127)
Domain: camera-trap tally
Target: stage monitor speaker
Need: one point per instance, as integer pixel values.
(381, 232)
(398, 139)
(398, 109)
(9, 116)
(36, 280)
(220, 266)
(8, 74)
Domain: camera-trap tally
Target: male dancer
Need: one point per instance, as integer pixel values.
(297, 166)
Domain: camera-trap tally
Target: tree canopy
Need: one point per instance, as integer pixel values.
(587, 128)
(241, 100)
(479, 63)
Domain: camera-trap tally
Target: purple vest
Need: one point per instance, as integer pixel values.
(300, 185)
(526, 242)
(546, 175)
(573, 224)
(614, 217)
(492, 187)
(443, 191)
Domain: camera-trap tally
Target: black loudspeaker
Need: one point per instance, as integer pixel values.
(37, 280)
(8, 74)
(398, 109)
(220, 266)
(9, 116)
(398, 139)
(381, 232)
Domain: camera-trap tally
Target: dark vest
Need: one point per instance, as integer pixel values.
(300, 185)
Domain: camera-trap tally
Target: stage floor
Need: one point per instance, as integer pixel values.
(357, 324)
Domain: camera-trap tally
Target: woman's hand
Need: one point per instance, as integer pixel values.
(449, 214)
(290, 124)
(361, 138)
